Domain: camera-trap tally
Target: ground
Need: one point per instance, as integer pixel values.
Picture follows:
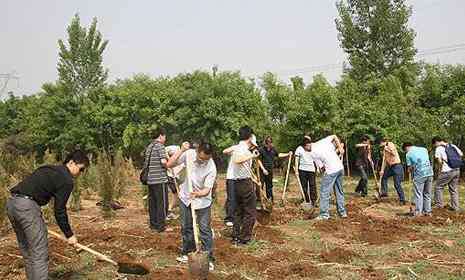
(377, 241)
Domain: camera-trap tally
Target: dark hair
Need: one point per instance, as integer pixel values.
(157, 132)
(306, 141)
(364, 138)
(437, 139)
(78, 156)
(406, 145)
(268, 139)
(206, 148)
(245, 133)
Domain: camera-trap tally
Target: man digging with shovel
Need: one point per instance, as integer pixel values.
(25, 215)
(196, 193)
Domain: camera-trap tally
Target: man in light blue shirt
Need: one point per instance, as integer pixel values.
(420, 166)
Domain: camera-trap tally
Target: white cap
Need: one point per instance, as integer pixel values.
(254, 140)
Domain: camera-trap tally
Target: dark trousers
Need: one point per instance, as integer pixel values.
(245, 213)
(230, 204)
(205, 229)
(307, 180)
(26, 218)
(362, 186)
(158, 206)
(268, 181)
(396, 171)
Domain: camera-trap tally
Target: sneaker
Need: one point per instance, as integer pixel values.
(320, 218)
(229, 224)
(182, 259)
(343, 216)
(211, 266)
(171, 216)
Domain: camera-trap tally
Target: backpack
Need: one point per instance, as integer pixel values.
(454, 160)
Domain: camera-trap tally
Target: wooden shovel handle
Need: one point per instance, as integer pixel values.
(85, 248)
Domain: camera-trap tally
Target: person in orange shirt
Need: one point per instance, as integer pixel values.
(391, 167)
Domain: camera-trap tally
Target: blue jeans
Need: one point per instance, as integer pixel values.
(423, 189)
(328, 182)
(396, 171)
(205, 230)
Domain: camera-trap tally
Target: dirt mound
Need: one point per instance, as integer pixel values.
(290, 271)
(338, 255)
(371, 274)
(269, 234)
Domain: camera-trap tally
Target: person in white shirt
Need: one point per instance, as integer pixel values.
(327, 154)
(173, 177)
(202, 176)
(306, 168)
(245, 213)
(449, 172)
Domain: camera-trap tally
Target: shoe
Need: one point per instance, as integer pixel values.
(171, 216)
(243, 243)
(229, 224)
(428, 214)
(403, 203)
(182, 259)
(343, 216)
(211, 266)
(320, 218)
(235, 240)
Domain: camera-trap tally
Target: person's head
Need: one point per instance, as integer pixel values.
(307, 144)
(438, 141)
(407, 146)
(268, 142)
(172, 149)
(76, 161)
(204, 152)
(383, 142)
(246, 134)
(160, 135)
(365, 139)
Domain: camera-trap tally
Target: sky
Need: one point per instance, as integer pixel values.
(293, 37)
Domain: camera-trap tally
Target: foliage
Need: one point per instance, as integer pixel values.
(80, 63)
(377, 38)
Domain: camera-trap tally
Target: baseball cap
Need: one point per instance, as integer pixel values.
(254, 140)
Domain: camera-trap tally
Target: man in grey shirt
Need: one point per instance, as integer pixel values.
(157, 180)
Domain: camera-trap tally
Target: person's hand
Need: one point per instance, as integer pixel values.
(185, 146)
(195, 194)
(381, 173)
(255, 153)
(265, 172)
(72, 240)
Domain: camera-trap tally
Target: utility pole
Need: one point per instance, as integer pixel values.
(5, 79)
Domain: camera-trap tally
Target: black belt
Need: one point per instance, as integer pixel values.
(22, 196)
(243, 179)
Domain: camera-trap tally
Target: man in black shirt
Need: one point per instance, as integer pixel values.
(363, 163)
(25, 215)
(267, 155)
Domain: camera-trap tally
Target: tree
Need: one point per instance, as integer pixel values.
(80, 66)
(377, 39)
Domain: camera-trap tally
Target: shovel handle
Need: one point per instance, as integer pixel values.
(85, 248)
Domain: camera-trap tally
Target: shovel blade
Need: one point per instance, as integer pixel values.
(198, 265)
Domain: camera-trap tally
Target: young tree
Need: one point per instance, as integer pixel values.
(377, 39)
(80, 66)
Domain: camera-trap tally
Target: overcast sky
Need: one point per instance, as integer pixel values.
(168, 37)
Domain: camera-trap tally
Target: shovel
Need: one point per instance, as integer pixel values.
(123, 267)
(286, 181)
(378, 186)
(198, 260)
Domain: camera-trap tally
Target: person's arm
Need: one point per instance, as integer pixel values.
(337, 142)
(229, 150)
(238, 158)
(360, 145)
(173, 160)
(284, 155)
(260, 164)
(209, 183)
(61, 215)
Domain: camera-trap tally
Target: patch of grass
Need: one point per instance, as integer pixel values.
(257, 246)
